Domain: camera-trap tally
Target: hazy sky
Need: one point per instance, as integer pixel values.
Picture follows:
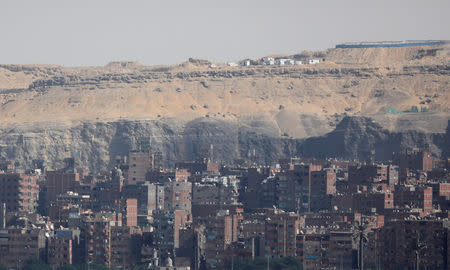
(95, 32)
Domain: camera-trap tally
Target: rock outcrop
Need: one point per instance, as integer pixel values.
(338, 108)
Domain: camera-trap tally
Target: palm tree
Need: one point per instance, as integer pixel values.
(418, 246)
(360, 234)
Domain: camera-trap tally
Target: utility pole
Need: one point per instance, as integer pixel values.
(4, 216)
(417, 260)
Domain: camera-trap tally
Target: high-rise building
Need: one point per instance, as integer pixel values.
(20, 192)
(151, 198)
(414, 197)
(281, 229)
(59, 183)
(295, 188)
(323, 185)
(108, 241)
(314, 250)
(62, 247)
(341, 250)
(396, 244)
(220, 231)
(17, 245)
(178, 196)
(139, 164)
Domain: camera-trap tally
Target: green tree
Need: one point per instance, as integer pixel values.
(97, 267)
(68, 267)
(2, 267)
(35, 264)
(286, 263)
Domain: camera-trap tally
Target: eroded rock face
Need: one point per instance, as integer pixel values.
(361, 138)
(338, 108)
(98, 144)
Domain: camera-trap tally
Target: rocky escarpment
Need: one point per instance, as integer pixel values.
(446, 142)
(362, 139)
(97, 144)
(258, 113)
(144, 76)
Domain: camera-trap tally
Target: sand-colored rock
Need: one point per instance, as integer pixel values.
(289, 102)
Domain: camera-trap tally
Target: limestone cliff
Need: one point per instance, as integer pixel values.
(338, 108)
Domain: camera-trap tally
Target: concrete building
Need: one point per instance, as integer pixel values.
(177, 196)
(20, 192)
(252, 198)
(167, 225)
(245, 63)
(414, 197)
(220, 231)
(415, 159)
(63, 247)
(268, 61)
(182, 175)
(366, 175)
(139, 164)
(214, 193)
(372, 202)
(323, 186)
(341, 250)
(395, 244)
(97, 235)
(57, 183)
(122, 255)
(441, 195)
(281, 229)
(314, 250)
(151, 198)
(294, 188)
(107, 241)
(419, 160)
(20, 244)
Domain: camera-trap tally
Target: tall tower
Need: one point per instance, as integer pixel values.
(211, 153)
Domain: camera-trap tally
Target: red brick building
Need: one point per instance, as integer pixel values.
(372, 202)
(414, 197)
(365, 175)
(132, 212)
(182, 175)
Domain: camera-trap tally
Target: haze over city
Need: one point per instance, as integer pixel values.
(205, 135)
(85, 33)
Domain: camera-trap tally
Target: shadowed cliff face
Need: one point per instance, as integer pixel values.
(259, 113)
(446, 142)
(362, 138)
(97, 144)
